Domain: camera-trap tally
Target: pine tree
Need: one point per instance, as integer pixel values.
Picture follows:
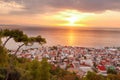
(44, 69)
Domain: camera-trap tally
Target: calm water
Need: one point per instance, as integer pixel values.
(75, 37)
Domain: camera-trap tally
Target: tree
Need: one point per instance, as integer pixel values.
(3, 57)
(39, 40)
(3, 62)
(11, 34)
(1, 32)
(113, 77)
(6, 33)
(111, 70)
(45, 70)
(23, 39)
(14, 75)
(35, 70)
(93, 76)
(2, 73)
(13, 68)
(19, 36)
(58, 73)
(29, 40)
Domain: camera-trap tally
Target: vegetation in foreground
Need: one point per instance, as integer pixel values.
(13, 68)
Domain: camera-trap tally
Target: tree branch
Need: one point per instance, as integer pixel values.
(6, 41)
(18, 49)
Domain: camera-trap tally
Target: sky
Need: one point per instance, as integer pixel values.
(61, 13)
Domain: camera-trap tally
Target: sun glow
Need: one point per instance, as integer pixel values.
(71, 18)
(64, 18)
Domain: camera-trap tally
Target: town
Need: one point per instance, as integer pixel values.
(76, 59)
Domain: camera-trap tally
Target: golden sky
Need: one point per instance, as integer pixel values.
(56, 13)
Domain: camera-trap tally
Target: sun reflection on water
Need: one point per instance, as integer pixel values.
(71, 38)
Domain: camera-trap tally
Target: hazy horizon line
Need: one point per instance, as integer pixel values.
(16, 26)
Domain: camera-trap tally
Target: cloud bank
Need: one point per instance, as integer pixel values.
(12, 6)
(41, 6)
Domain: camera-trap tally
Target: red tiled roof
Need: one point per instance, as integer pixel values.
(101, 67)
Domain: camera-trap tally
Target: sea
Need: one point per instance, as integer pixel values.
(81, 37)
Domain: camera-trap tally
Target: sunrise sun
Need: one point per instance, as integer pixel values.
(72, 20)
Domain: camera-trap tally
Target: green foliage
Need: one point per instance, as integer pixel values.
(37, 39)
(44, 68)
(76, 78)
(113, 77)
(58, 73)
(6, 33)
(22, 38)
(3, 57)
(111, 70)
(3, 62)
(40, 40)
(19, 68)
(12, 33)
(14, 75)
(35, 70)
(3, 72)
(93, 76)
(19, 36)
(1, 34)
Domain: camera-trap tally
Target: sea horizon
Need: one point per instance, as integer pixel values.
(81, 37)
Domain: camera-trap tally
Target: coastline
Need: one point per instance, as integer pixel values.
(76, 59)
